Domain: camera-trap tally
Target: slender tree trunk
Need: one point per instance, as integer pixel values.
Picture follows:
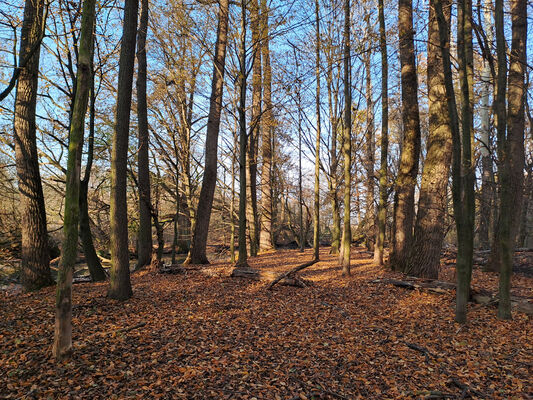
(424, 260)
(93, 262)
(512, 175)
(404, 206)
(145, 226)
(253, 215)
(267, 122)
(347, 142)
(197, 252)
(316, 208)
(120, 284)
(63, 320)
(242, 261)
(35, 267)
(382, 206)
(487, 177)
(232, 206)
(370, 215)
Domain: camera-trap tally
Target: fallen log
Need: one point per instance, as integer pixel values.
(482, 298)
(291, 272)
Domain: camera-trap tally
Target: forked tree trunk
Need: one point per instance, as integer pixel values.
(462, 185)
(404, 205)
(267, 123)
(424, 259)
(197, 252)
(120, 284)
(35, 258)
(316, 204)
(382, 206)
(347, 143)
(144, 238)
(96, 270)
(512, 175)
(63, 319)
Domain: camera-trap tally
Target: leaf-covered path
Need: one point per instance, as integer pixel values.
(204, 335)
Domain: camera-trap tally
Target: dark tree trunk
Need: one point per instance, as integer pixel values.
(424, 259)
(120, 284)
(144, 239)
(35, 267)
(316, 204)
(512, 160)
(404, 205)
(96, 270)
(197, 252)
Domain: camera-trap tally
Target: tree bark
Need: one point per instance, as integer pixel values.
(144, 239)
(253, 216)
(35, 258)
(370, 215)
(63, 319)
(424, 259)
(487, 177)
(382, 206)
(512, 175)
(267, 123)
(316, 204)
(404, 205)
(197, 252)
(120, 284)
(347, 143)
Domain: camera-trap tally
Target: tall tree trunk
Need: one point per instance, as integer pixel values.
(487, 177)
(197, 252)
(35, 267)
(512, 175)
(382, 206)
(500, 121)
(333, 179)
(316, 204)
(424, 259)
(242, 261)
(120, 284)
(369, 220)
(347, 142)
(63, 319)
(301, 237)
(253, 216)
(404, 205)
(145, 226)
(96, 270)
(267, 123)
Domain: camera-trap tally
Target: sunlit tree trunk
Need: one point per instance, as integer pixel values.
(404, 204)
(316, 204)
(347, 143)
(63, 319)
(384, 144)
(512, 154)
(267, 123)
(369, 220)
(424, 259)
(35, 258)
(145, 226)
(197, 252)
(120, 284)
(487, 177)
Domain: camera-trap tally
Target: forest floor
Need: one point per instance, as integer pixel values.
(205, 335)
